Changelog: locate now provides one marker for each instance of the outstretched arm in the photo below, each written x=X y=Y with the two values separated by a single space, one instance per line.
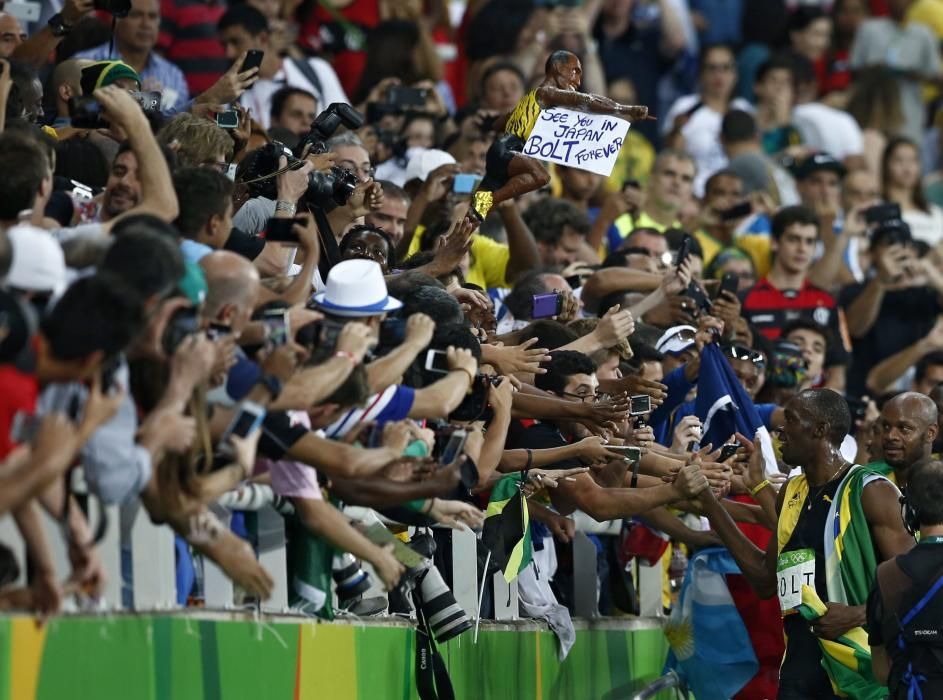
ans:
x=548 y=96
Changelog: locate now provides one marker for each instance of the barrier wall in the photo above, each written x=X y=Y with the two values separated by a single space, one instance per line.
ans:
x=226 y=657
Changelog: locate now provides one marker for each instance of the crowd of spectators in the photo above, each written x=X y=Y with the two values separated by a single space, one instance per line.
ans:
x=210 y=294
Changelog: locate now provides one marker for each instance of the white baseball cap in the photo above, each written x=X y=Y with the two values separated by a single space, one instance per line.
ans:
x=38 y=262
x=676 y=340
x=356 y=288
x=424 y=162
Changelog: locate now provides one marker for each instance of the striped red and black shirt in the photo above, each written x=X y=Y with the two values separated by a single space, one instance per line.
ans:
x=769 y=310
x=189 y=38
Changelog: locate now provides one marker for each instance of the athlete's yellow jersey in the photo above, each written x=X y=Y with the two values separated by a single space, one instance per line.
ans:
x=524 y=116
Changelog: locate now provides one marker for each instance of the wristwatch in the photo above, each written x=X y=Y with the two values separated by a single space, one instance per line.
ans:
x=272 y=383
x=58 y=26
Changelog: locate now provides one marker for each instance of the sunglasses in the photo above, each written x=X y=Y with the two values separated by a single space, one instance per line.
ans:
x=738 y=352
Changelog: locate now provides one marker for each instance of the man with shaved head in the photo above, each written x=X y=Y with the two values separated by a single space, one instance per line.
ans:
x=233 y=287
x=794 y=565
x=908 y=430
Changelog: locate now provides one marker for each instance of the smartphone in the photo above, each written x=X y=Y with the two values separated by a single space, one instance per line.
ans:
x=281 y=231
x=380 y=536
x=404 y=96
x=182 y=323
x=640 y=404
x=248 y=419
x=547 y=305
x=683 y=252
x=630 y=452
x=277 y=325
x=218 y=330
x=253 y=60
x=737 y=211
x=149 y=101
x=24 y=427
x=464 y=183
x=858 y=409
x=228 y=119
x=700 y=299
x=118 y=8
x=728 y=450
x=880 y=213
x=109 y=368
x=453 y=448
x=730 y=282
x=86 y=113
x=23 y=11
x=437 y=361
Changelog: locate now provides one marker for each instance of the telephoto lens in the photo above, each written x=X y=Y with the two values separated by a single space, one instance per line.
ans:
x=352 y=581
x=445 y=616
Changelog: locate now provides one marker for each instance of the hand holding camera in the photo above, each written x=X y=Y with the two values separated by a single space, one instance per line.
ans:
x=121 y=109
x=281 y=362
x=419 y=331
x=500 y=396
x=241 y=76
x=74 y=10
x=615 y=326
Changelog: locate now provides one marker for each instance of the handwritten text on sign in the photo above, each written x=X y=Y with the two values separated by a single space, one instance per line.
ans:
x=585 y=141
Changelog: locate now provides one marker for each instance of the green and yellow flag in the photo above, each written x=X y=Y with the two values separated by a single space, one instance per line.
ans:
x=506 y=532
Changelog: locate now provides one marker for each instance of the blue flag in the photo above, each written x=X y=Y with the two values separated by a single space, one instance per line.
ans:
x=710 y=646
x=724 y=406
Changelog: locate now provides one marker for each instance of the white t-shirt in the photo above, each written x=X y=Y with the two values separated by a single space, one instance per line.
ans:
x=926 y=227
x=827 y=129
x=702 y=135
x=259 y=98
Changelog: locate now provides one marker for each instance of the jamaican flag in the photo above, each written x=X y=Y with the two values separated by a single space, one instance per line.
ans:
x=506 y=533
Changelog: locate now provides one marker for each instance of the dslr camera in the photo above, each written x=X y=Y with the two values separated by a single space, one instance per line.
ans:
x=325 y=190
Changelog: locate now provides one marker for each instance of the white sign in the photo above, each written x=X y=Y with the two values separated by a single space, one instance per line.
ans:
x=585 y=141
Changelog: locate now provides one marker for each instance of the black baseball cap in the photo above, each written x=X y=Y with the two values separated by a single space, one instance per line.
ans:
x=817 y=162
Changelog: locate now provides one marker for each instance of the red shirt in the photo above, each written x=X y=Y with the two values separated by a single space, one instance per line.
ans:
x=189 y=38
x=770 y=309
x=19 y=395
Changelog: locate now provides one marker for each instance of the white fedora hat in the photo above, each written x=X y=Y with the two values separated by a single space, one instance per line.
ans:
x=356 y=288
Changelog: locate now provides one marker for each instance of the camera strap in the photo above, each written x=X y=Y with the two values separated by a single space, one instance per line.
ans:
x=432 y=675
x=330 y=251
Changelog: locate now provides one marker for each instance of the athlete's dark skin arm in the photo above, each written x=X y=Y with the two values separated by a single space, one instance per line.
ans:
x=552 y=96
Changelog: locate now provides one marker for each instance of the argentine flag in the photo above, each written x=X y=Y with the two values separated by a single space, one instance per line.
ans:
x=710 y=647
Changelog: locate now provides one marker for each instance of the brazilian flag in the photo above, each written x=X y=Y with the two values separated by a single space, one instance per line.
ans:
x=506 y=532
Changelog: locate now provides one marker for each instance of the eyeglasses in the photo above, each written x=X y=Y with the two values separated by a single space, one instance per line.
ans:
x=718 y=67
x=593 y=398
x=738 y=352
x=364 y=172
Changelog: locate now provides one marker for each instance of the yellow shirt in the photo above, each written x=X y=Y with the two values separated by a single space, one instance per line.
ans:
x=635 y=161
x=626 y=224
x=522 y=119
x=930 y=14
x=489 y=260
x=756 y=245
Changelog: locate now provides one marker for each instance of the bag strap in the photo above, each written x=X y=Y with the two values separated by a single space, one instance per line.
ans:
x=922 y=603
x=311 y=76
x=432 y=675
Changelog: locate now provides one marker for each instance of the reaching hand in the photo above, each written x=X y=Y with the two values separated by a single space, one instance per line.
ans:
x=727 y=309
x=523 y=358
x=614 y=327
x=88 y=571
x=687 y=430
x=456 y=513
x=100 y=407
x=170 y=430
x=231 y=85
x=691 y=481
x=636 y=384
x=121 y=110
x=245 y=449
x=461 y=359
x=564 y=529
x=451 y=248
x=501 y=396
x=387 y=566
x=281 y=361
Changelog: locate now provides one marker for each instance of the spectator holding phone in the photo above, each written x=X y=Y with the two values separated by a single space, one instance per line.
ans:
x=244 y=29
x=134 y=41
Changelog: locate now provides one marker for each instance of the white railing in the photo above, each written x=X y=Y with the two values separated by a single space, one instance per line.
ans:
x=152 y=564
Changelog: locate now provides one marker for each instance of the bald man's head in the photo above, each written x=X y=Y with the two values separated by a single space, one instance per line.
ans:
x=233 y=289
x=66 y=82
x=11 y=34
x=908 y=429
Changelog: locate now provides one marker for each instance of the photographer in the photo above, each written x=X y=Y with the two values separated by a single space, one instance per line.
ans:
x=895 y=308
x=905 y=606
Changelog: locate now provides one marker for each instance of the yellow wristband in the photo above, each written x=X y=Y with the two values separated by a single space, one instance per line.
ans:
x=759 y=487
